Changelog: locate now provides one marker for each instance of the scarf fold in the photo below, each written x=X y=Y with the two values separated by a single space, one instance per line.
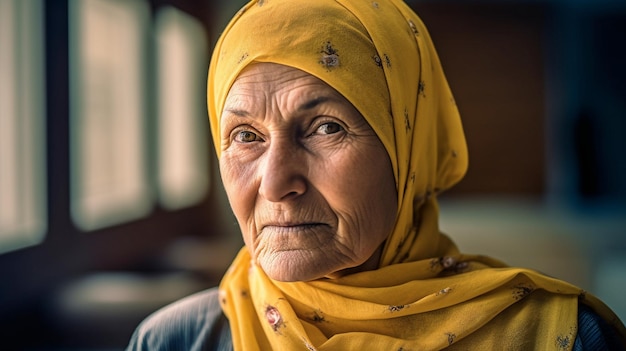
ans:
x=425 y=295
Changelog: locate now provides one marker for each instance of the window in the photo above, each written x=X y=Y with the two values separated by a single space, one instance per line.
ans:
x=182 y=119
x=108 y=108
x=23 y=218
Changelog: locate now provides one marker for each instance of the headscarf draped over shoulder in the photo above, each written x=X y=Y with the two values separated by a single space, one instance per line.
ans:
x=425 y=294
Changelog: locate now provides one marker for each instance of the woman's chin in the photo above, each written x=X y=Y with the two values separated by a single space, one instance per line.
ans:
x=308 y=265
x=290 y=267
x=290 y=277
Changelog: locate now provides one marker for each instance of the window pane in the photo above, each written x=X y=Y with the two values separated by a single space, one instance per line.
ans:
x=183 y=122
x=23 y=218
x=109 y=180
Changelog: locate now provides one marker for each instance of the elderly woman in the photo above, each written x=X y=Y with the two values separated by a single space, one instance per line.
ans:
x=335 y=130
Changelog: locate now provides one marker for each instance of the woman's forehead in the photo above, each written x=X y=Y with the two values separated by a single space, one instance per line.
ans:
x=265 y=79
x=272 y=75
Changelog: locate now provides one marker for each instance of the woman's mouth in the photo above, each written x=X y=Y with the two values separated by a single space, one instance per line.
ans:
x=291 y=227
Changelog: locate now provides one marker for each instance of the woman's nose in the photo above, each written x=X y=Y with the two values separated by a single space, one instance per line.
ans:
x=283 y=172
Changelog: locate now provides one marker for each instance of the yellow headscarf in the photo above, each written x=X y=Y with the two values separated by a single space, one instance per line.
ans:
x=425 y=294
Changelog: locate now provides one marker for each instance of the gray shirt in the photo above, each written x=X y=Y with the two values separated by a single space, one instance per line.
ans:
x=195 y=323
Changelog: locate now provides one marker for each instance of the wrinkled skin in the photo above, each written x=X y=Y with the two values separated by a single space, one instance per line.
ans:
x=309 y=182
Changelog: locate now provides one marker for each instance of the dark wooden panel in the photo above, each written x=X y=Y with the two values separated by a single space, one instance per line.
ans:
x=493 y=57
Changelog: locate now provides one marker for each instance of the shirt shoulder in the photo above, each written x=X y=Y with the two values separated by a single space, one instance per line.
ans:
x=594 y=333
x=194 y=323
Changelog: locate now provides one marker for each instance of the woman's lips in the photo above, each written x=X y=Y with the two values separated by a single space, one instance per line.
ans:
x=291 y=227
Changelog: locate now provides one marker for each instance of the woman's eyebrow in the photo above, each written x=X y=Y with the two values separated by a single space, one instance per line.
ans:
x=313 y=103
x=237 y=112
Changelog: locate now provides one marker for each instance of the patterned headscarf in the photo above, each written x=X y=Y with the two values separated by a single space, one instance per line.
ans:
x=425 y=295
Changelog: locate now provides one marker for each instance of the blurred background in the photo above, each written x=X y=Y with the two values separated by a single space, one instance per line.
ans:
x=110 y=200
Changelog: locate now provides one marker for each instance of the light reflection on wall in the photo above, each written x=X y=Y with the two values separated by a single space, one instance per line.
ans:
x=108 y=112
x=182 y=118
x=23 y=219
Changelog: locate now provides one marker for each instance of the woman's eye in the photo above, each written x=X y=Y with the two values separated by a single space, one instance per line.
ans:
x=246 y=136
x=329 y=128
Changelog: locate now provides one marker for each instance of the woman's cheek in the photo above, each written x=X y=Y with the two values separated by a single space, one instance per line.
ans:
x=238 y=167
x=239 y=182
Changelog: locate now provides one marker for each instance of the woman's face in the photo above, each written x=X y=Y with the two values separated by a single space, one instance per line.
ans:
x=310 y=183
